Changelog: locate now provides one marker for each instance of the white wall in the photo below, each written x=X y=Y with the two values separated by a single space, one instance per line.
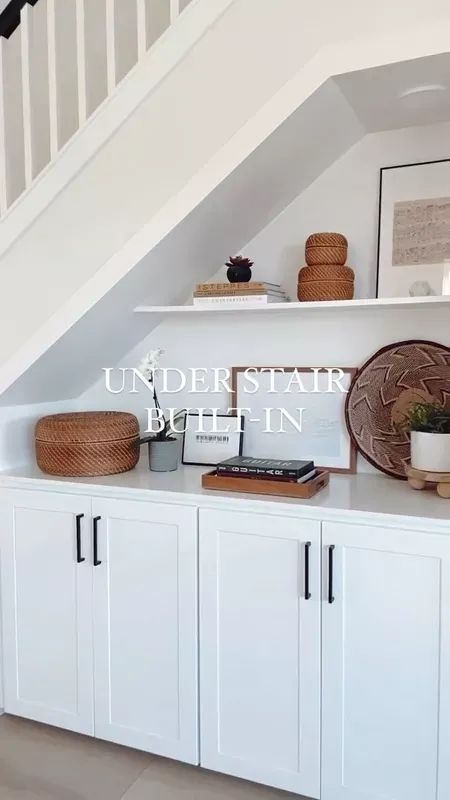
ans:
x=208 y=114
x=344 y=198
x=17 y=425
x=150 y=159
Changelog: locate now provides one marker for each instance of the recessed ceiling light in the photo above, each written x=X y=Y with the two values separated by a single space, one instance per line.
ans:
x=425 y=89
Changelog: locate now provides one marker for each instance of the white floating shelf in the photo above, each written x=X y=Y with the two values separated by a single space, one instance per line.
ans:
x=286 y=308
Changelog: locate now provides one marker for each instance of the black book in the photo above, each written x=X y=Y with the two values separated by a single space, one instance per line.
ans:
x=277 y=478
x=272 y=468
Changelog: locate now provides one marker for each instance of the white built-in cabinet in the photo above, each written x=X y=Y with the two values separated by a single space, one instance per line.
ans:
x=47 y=609
x=324 y=647
x=260 y=648
x=385 y=664
x=99 y=611
x=368 y=718
x=145 y=626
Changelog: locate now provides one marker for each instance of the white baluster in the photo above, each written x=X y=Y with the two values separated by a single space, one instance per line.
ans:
x=95 y=43
x=12 y=168
x=141 y=9
x=81 y=61
x=174 y=10
x=35 y=80
x=3 y=156
x=25 y=25
x=111 y=45
x=52 y=77
x=62 y=71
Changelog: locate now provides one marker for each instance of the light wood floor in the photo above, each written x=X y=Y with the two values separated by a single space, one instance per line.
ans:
x=42 y=763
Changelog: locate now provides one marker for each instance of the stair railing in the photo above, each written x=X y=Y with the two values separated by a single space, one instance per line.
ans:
x=56 y=68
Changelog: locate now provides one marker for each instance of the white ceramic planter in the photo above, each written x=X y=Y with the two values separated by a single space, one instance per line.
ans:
x=430 y=451
x=163 y=456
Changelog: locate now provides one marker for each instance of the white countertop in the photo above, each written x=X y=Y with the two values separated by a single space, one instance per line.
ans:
x=347 y=496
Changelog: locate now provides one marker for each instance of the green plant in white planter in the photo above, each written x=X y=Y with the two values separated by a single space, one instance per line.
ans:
x=429 y=424
x=163 y=448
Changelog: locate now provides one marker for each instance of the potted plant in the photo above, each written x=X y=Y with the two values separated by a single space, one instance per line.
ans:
x=163 y=449
x=429 y=424
x=239 y=269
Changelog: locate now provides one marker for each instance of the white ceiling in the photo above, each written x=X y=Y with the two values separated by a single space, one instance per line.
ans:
x=374 y=94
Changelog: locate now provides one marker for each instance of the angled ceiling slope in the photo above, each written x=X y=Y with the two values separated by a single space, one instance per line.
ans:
x=235 y=211
x=251 y=180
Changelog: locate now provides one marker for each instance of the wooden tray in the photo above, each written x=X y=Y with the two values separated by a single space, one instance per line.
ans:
x=304 y=491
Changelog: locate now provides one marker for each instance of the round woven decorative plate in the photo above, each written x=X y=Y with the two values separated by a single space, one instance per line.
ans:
x=382 y=392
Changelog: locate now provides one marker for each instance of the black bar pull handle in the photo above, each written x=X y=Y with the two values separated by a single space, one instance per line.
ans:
x=95 y=522
x=330 y=573
x=307 y=550
x=79 y=517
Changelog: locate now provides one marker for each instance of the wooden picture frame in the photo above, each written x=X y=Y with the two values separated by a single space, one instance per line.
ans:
x=346 y=461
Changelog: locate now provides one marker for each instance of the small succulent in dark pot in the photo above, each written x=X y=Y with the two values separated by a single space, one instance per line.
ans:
x=239 y=269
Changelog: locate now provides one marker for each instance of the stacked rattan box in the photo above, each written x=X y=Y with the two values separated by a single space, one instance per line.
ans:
x=326 y=276
x=87 y=443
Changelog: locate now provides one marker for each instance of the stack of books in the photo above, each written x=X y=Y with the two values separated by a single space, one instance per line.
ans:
x=267 y=469
x=210 y=295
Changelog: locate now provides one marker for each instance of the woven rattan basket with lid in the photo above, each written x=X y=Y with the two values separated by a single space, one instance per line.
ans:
x=326 y=240
x=88 y=443
x=316 y=291
x=326 y=272
x=326 y=248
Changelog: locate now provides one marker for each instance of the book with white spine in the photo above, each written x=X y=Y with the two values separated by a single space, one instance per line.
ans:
x=238 y=300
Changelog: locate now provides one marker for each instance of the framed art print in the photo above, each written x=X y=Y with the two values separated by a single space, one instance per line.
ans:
x=414 y=230
x=323 y=437
x=209 y=439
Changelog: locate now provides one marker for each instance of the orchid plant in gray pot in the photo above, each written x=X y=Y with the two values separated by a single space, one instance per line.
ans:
x=163 y=446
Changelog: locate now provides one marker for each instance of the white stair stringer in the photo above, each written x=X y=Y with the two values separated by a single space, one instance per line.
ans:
x=88 y=323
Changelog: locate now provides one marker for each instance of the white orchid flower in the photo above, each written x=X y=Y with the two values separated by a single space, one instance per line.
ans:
x=149 y=363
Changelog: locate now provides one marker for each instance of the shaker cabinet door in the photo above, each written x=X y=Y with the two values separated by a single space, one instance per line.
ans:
x=386 y=664
x=260 y=606
x=47 y=608
x=145 y=626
